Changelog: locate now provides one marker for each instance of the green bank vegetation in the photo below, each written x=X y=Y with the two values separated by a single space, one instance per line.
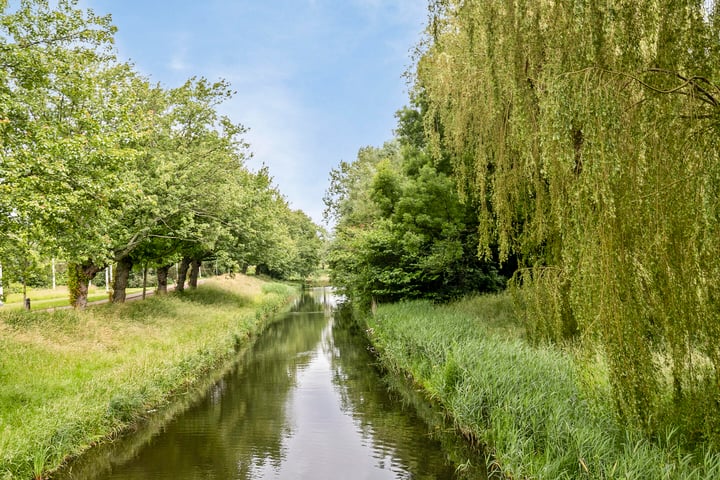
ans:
x=570 y=151
x=71 y=378
x=595 y=161
x=544 y=412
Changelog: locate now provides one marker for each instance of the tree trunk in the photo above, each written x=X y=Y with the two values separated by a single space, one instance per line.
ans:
x=79 y=276
x=122 y=273
x=182 y=274
x=194 y=272
x=162 y=276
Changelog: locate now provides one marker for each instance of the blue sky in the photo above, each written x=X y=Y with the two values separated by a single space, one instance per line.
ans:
x=316 y=79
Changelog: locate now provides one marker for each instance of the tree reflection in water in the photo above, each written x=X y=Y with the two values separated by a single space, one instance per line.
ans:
x=303 y=402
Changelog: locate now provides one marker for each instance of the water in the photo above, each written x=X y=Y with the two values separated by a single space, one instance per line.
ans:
x=304 y=403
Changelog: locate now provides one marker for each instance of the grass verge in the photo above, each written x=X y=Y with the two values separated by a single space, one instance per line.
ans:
x=70 y=379
x=48 y=298
x=545 y=413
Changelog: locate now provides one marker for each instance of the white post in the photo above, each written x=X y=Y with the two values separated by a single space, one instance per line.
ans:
x=1 y=286
x=53 y=273
x=107 y=279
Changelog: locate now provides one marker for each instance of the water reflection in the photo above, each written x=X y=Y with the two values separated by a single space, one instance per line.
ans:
x=394 y=414
x=304 y=402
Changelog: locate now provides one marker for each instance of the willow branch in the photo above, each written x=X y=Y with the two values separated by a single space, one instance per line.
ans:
x=705 y=97
x=694 y=80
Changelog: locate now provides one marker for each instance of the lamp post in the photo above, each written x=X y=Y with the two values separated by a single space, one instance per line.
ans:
x=2 y=292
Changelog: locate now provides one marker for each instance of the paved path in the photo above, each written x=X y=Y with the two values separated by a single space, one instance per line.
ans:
x=128 y=298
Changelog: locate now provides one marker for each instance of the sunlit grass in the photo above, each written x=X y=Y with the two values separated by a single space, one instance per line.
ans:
x=544 y=412
x=70 y=378
x=53 y=298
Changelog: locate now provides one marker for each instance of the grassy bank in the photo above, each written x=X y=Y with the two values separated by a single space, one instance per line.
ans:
x=545 y=413
x=70 y=379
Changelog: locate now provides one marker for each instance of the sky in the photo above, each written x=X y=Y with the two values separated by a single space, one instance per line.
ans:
x=316 y=80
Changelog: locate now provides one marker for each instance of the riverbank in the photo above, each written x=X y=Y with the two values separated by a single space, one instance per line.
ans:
x=70 y=379
x=544 y=412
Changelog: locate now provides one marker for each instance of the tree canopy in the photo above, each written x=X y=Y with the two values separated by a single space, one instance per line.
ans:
x=587 y=133
x=402 y=231
x=99 y=166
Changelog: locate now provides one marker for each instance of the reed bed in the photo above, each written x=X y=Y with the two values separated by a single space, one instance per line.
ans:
x=544 y=412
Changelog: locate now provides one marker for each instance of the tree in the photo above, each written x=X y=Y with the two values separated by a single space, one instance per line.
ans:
x=58 y=132
x=189 y=167
x=305 y=235
x=402 y=230
x=22 y=254
x=595 y=161
x=100 y=166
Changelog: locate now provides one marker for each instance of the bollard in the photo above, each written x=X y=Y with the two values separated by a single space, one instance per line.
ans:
x=27 y=304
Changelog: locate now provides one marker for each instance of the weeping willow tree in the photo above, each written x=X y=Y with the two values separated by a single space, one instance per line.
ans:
x=588 y=133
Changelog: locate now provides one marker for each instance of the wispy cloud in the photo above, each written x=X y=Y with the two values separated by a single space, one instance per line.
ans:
x=281 y=131
x=177 y=63
x=179 y=56
x=316 y=79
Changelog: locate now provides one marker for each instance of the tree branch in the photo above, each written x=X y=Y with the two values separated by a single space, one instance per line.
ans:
x=705 y=97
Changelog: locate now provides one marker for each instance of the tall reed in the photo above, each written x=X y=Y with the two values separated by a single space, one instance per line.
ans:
x=545 y=412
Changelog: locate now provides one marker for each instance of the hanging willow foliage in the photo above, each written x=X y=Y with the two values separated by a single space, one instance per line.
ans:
x=588 y=132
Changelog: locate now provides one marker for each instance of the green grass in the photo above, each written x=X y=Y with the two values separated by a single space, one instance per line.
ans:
x=544 y=412
x=49 y=298
x=70 y=379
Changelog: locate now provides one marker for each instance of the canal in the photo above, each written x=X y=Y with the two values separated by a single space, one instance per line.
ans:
x=305 y=402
